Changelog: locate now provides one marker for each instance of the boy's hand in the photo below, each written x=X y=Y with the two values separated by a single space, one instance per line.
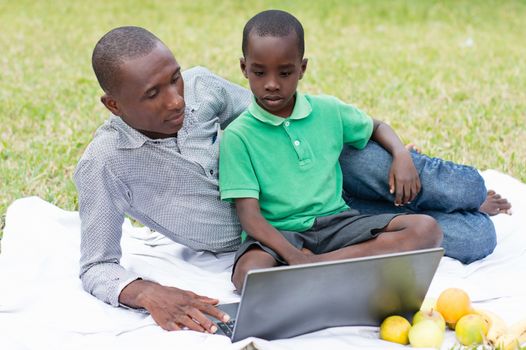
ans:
x=303 y=256
x=404 y=181
x=173 y=308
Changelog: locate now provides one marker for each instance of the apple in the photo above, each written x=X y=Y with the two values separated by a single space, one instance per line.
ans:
x=428 y=304
x=471 y=329
x=395 y=329
x=426 y=334
x=432 y=315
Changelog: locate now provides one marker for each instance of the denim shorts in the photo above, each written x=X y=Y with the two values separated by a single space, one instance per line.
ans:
x=328 y=233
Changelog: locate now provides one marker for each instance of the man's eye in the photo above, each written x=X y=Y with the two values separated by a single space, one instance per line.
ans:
x=175 y=79
x=151 y=94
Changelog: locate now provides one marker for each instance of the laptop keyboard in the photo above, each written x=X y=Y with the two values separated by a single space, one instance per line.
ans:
x=227 y=327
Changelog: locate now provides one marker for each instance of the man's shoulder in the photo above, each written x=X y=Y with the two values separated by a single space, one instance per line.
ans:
x=104 y=144
x=196 y=71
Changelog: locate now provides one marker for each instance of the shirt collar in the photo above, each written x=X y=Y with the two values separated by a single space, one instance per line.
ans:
x=302 y=109
x=129 y=138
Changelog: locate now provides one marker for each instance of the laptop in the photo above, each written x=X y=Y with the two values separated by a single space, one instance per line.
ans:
x=287 y=301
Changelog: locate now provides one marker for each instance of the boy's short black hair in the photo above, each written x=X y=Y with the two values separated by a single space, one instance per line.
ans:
x=117 y=46
x=274 y=23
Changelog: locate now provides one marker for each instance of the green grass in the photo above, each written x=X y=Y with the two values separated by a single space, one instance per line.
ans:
x=449 y=76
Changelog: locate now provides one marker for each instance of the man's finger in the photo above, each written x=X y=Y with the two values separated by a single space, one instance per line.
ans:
x=213 y=311
x=171 y=326
x=190 y=323
x=198 y=316
x=208 y=300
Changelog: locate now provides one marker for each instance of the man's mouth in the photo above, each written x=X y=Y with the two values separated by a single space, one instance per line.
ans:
x=175 y=117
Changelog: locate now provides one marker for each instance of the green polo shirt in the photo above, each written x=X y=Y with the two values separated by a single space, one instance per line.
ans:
x=291 y=164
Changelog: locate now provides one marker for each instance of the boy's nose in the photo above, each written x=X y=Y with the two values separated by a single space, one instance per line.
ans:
x=271 y=85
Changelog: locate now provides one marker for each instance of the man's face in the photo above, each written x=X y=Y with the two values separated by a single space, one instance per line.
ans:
x=273 y=67
x=150 y=94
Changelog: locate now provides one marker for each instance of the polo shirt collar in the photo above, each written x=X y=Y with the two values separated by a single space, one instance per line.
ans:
x=302 y=109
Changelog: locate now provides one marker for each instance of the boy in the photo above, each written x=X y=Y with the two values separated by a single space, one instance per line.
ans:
x=279 y=162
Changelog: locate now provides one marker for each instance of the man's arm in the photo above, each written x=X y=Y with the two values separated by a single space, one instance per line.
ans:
x=232 y=99
x=101 y=206
x=404 y=181
x=258 y=228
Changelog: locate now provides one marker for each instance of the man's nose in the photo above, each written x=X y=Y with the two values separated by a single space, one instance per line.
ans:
x=174 y=99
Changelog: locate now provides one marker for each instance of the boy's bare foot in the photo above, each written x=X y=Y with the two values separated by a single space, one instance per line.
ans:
x=495 y=204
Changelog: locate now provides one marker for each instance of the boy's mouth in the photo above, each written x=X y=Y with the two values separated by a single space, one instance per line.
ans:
x=272 y=100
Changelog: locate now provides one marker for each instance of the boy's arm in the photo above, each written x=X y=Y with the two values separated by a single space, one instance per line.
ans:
x=258 y=228
x=404 y=181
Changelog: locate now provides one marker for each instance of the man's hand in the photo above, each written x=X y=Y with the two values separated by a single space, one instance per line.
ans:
x=173 y=308
x=404 y=181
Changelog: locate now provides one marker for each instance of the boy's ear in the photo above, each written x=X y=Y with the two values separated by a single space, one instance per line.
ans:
x=303 y=66
x=243 y=66
x=111 y=104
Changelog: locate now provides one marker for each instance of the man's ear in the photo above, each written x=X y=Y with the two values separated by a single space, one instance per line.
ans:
x=303 y=66
x=243 y=66
x=110 y=103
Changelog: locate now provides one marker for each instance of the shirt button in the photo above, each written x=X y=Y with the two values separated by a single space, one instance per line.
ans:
x=211 y=171
x=296 y=143
x=287 y=123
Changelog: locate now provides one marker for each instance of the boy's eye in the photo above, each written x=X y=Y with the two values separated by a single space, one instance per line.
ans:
x=285 y=74
x=175 y=78
x=258 y=74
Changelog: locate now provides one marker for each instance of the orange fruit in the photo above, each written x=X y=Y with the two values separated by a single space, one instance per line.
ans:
x=453 y=303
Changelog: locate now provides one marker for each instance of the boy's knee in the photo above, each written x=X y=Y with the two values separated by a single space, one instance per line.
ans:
x=428 y=230
x=473 y=240
x=253 y=259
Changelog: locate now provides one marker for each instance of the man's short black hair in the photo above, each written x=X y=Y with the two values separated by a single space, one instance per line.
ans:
x=274 y=23
x=117 y=46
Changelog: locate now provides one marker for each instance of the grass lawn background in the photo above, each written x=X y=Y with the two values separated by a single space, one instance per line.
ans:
x=449 y=76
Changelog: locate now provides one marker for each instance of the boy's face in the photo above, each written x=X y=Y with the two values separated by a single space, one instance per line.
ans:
x=150 y=95
x=273 y=67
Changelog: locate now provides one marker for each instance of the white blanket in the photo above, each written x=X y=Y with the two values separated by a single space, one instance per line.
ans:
x=43 y=305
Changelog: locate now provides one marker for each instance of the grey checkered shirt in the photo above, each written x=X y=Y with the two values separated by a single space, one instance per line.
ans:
x=170 y=185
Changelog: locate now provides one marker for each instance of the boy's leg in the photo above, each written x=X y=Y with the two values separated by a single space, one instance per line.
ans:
x=254 y=258
x=254 y=255
x=448 y=192
x=402 y=233
x=446 y=186
x=468 y=235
